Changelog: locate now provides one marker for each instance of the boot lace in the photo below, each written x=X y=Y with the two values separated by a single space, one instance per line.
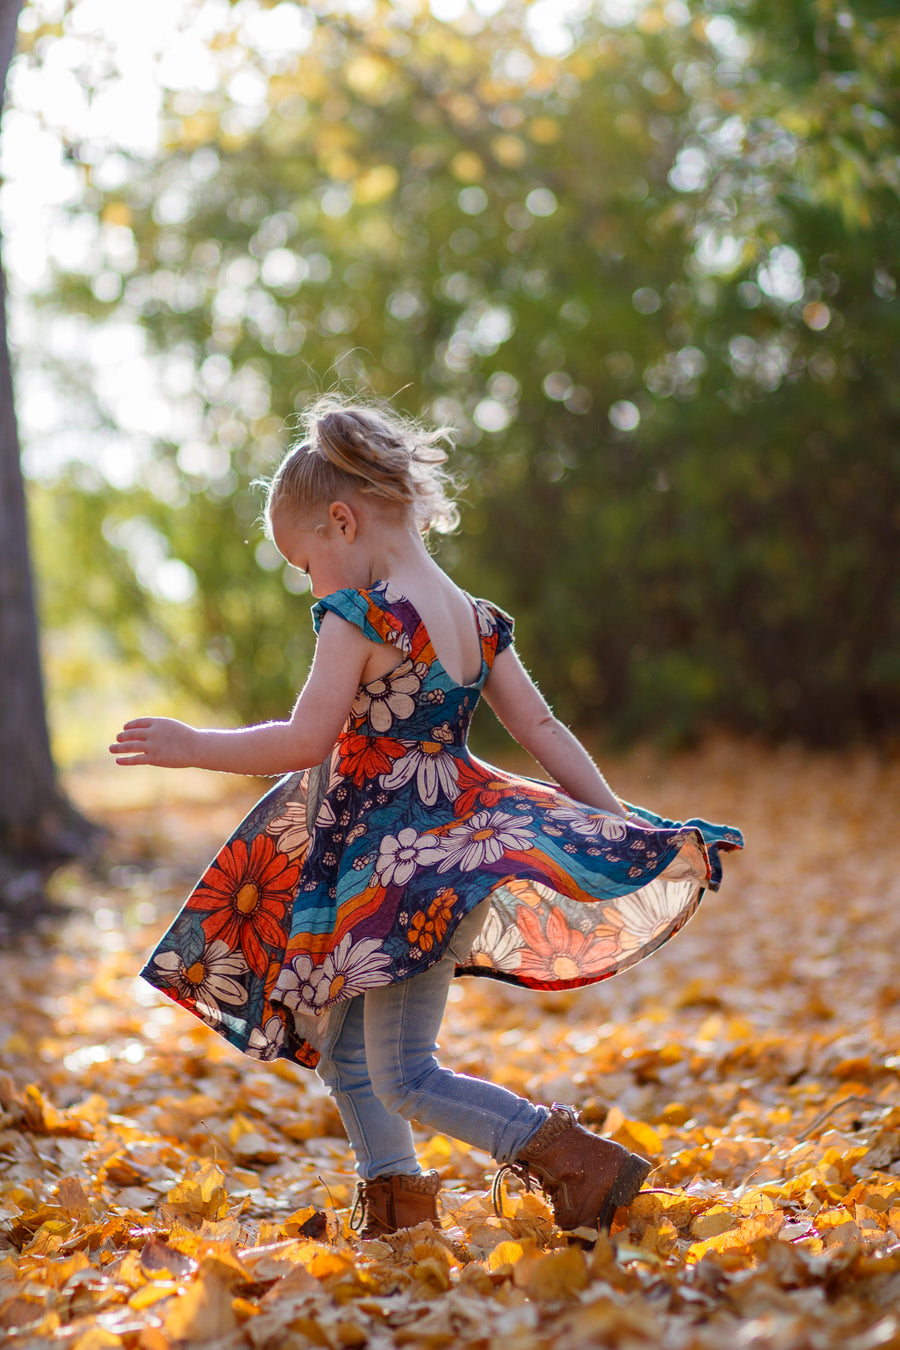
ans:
x=358 y=1212
x=517 y=1169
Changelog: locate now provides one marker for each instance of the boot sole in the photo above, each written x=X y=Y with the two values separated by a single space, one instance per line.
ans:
x=623 y=1190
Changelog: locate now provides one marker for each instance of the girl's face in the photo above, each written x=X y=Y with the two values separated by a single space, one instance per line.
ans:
x=316 y=544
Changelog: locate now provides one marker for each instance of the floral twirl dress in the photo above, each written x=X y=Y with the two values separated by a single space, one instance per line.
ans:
x=355 y=873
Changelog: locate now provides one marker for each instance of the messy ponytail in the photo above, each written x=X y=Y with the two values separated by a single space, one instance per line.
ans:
x=371 y=451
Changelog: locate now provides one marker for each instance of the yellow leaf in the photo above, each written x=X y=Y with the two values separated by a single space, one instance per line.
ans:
x=203 y=1312
x=243 y=1309
x=350 y=1334
x=324 y=1263
x=95 y=1338
x=633 y=1134
x=558 y=1275
x=652 y=1206
x=661 y=1237
x=221 y=1261
x=676 y=1113
x=432 y=1273
x=507 y=1254
x=437 y=1152
x=152 y=1293
x=160 y=1261
x=201 y=1192
x=42 y=1117
x=715 y=1220
x=72 y=1198
x=292 y=1225
x=751 y=1230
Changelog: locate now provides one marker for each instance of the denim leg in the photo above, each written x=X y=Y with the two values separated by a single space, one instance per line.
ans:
x=382 y=1141
x=401 y=1024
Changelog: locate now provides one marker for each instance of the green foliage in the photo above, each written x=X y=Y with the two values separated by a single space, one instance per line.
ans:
x=651 y=281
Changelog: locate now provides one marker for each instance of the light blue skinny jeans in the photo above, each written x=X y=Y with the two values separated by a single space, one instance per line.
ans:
x=379 y=1064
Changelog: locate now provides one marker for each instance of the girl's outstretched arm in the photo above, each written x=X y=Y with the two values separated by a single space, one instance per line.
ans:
x=272 y=747
x=520 y=706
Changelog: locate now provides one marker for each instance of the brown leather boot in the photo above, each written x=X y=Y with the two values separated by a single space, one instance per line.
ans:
x=585 y=1178
x=385 y=1204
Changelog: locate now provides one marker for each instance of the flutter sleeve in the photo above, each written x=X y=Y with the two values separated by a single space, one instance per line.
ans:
x=496 y=628
x=504 y=624
x=354 y=606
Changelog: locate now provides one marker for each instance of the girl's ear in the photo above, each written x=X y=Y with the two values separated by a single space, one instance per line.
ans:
x=344 y=519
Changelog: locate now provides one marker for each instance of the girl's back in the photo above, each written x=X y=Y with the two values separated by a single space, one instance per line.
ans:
x=448 y=617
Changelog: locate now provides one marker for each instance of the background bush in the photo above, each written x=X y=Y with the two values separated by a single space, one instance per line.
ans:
x=652 y=280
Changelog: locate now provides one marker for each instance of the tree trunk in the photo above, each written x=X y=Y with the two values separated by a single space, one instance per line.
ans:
x=37 y=823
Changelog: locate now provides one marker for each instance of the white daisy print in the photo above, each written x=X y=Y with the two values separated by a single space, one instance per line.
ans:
x=589 y=824
x=326 y=817
x=497 y=946
x=483 y=839
x=267 y=1040
x=293 y=987
x=390 y=699
x=400 y=855
x=649 y=912
x=352 y=968
x=211 y=979
x=289 y=829
x=434 y=770
x=347 y=971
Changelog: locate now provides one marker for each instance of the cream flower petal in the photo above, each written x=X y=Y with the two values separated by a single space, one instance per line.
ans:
x=224 y=989
x=648 y=912
x=380 y=716
x=169 y=961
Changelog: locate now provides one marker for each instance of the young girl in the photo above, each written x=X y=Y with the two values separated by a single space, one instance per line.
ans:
x=389 y=859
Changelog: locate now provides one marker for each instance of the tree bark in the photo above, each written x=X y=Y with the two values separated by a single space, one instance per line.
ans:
x=37 y=822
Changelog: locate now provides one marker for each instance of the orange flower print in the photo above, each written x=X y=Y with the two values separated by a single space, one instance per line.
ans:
x=531 y=893
x=559 y=953
x=421 y=932
x=365 y=757
x=440 y=910
x=246 y=894
x=478 y=791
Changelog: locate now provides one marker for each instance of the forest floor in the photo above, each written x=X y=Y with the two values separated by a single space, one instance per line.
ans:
x=157 y=1189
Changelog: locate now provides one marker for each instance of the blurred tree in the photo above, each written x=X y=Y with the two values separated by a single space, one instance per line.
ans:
x=37 y=823
x=652 y=282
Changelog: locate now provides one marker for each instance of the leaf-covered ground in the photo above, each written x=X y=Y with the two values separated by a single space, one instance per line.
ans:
x=157 y=1189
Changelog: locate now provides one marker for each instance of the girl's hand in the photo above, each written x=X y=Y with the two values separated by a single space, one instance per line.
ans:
x=155 y=740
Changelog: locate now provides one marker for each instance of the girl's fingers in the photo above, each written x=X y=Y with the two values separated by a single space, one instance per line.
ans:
x=128 y=742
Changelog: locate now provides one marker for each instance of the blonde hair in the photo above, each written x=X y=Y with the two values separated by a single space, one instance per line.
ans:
x=372 y=451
